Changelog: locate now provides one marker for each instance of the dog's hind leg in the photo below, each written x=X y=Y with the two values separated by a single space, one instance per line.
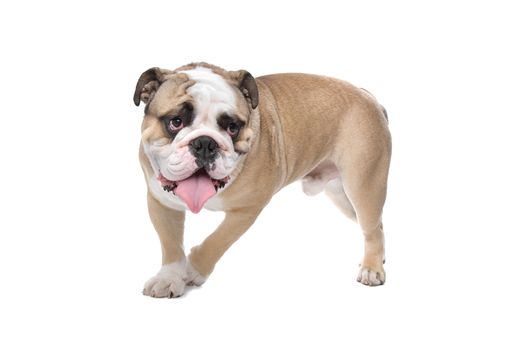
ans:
x=365 y=188
x=363 y=162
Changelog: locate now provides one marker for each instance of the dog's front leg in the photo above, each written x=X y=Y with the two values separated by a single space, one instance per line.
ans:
x=203 y=258
x=169 y=224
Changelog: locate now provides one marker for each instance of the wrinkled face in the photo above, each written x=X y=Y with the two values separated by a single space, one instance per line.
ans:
x=194 y=133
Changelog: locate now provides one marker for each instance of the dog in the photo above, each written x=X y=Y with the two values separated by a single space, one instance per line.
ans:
x=224 y=140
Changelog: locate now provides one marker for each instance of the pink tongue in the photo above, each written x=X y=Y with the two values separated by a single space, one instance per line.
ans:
x=195 y=191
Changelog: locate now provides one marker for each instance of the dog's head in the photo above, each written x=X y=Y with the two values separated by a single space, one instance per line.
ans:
x=196 y=127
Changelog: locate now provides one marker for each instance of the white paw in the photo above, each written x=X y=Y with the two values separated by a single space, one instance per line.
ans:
x=371 y=277
x=192 y=277
x=168 y=282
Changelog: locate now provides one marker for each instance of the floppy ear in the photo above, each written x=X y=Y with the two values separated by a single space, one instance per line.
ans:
x=148 y=84
x=246 y=83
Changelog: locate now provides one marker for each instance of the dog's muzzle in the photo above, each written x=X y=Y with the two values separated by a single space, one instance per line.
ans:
x=205 y=151
x=197 y=188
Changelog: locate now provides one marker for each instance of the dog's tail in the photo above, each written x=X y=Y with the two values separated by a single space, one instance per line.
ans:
x=382 y=108
x=384 y=112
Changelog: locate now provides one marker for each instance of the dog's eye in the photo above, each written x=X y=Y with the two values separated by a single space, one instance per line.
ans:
x=175 y=124
x=233 y=129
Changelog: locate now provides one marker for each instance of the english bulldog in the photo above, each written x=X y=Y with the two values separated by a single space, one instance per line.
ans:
x=224 y=140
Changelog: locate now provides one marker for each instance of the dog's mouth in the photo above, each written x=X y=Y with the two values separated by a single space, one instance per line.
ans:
x=194 y=190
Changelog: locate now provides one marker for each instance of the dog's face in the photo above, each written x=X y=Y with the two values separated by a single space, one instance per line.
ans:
x=196 y=128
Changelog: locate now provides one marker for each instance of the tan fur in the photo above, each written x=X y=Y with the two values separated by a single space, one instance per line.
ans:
x=305 y=126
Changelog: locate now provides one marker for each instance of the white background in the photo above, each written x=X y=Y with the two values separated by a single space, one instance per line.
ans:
x=77 y=245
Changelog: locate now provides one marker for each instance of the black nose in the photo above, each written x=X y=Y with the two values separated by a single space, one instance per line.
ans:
x=204 y=148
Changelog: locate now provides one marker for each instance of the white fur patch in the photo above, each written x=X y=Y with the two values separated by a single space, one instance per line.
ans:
x=174 y=163
x=214 y=204
x=168 y=282
x=211 y=92
x=167 y=199
x=192 y=277
x=370 y=277
x=212 y=97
